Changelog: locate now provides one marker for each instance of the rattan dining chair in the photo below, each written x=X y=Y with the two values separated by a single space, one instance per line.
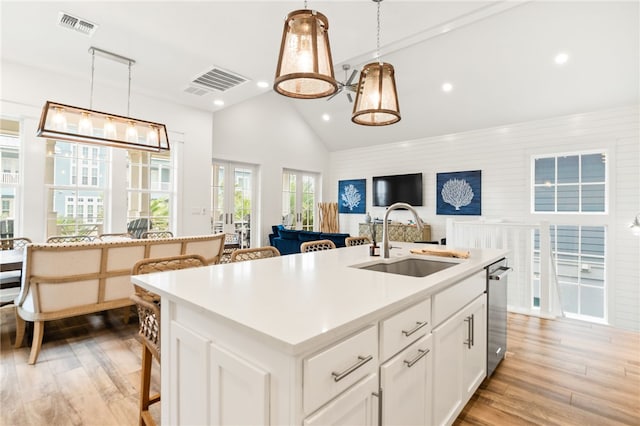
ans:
x=148 y=305
x=317 y=245
x=156 y=234
x=356 y=241
x=242 y=255
x=70 y=239
x=115 y=237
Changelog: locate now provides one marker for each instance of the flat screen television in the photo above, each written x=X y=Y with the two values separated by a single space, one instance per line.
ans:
x=397 y=189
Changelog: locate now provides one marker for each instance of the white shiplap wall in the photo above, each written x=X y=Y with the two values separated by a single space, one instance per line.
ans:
x=504 y=156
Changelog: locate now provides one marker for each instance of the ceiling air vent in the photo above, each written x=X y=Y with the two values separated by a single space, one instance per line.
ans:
x=196 y=91
x=219 y=79
x=78 y=24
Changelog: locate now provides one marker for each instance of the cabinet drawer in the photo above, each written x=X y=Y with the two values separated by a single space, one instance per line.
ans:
x=404 y=328
x=333 y=370
x=452 y=299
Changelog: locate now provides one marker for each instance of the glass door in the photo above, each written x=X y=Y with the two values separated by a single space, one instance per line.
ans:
x=299 y=191
x=232 y=201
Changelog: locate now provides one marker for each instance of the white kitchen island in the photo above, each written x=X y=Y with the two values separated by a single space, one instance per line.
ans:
x=310 y=339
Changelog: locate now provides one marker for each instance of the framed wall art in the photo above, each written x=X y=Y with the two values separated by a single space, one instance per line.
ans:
x=352 y=196
x=459 y=193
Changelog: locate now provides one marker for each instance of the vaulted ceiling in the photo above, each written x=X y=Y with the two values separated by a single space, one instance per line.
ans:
x=497 y=55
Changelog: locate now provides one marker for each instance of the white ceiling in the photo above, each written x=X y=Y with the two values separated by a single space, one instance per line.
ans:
x=499 y=55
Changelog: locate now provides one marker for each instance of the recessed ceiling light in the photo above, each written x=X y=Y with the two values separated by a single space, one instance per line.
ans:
x=447 y=87
x=262 y=84
x=326 y=117
x=561 y=58
x=218 y=102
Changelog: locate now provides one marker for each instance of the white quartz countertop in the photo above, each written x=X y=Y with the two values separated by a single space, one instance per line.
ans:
x=298 y=301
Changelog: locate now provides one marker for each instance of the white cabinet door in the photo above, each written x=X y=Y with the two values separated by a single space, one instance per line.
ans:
x=240 y=390
x=475 y=357
x=447 y=369
x=357 y=406
x=406 y=382
x=188 y=390
x=210 y=385
x=460 y=358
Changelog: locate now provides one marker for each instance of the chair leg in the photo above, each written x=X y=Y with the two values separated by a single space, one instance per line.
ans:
x=145 y=387
x=38 y=333
x=20 y=327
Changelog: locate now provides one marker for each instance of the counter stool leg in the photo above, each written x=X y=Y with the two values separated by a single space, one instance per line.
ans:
x=145 y=387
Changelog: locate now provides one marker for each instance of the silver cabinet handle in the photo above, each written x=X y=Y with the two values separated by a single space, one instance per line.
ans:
x=473 y=326
x=500 y=273
x=421 y=354
x=468 y=341
x=361 y=361
x=418 y=326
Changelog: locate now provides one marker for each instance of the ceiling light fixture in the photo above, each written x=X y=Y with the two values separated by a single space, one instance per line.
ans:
x=447 y=87
x=326 y=117
x=75 y=124
x=376 y=96
x=218 y=102
x=262 y=84
x=561 y=58
x=305 y=67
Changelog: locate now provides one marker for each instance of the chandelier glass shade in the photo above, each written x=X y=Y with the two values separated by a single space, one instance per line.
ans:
x=70 y=123
x=305 y=67
x=376 y=97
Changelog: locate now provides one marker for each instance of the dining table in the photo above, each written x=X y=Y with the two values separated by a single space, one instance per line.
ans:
x=11 y=260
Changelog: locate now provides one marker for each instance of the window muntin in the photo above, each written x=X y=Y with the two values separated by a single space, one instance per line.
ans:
x=572 y=183
x=149 y=191
x=77 y=204
x=10 y=187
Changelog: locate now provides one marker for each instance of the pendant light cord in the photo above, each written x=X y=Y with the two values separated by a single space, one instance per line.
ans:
x=93 y=67
x=378 y=34
x=129 y=92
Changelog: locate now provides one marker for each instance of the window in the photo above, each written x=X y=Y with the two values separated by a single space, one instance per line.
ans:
x=150 y=194
x=232 y=197
x=299 y=199
x=10 y=181
x=76 y=204
x=579 y=260
x=574 y=183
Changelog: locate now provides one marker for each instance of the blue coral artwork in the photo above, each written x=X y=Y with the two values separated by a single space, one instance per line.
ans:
x=459 y=193
x=352 y=196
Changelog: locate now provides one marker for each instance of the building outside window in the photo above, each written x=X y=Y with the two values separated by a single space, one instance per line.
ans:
x=71 y=199
x=574 y=187
x=299 y=198
x=149 y=191
x=10 y=167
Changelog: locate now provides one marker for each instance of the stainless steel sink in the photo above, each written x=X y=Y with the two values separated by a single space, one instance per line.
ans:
x=411 y=267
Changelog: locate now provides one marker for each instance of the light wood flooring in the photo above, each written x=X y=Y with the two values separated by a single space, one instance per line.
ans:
x=560 y=372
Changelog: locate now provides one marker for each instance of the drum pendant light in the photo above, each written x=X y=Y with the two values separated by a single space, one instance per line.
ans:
x=305 y=67
x=376 y=96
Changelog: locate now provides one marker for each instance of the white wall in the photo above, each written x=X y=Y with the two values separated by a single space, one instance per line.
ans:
x=504 y=156
x=23 y=93
x=268 y=132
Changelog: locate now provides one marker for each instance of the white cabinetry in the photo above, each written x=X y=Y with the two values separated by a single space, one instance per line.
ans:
x=357 y=406
x=406 y=382
x=235 y=392
x=459 y=362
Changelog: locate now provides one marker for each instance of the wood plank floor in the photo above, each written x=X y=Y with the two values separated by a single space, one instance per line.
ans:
x=560 y=372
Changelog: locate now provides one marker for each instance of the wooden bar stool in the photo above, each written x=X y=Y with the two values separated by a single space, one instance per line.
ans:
x=148 y=305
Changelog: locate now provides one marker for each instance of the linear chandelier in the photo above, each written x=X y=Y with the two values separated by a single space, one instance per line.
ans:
x=76 y=124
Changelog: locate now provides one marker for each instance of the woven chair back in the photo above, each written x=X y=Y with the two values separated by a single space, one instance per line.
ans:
x=317 y=245
x=242 y=255
x=356 y=241
x=148 y=303
x=18 y=243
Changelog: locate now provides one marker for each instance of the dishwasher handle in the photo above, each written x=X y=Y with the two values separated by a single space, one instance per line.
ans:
x=499 y=273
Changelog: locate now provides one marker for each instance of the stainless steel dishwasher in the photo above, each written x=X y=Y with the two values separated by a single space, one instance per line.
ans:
x=497 y=274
